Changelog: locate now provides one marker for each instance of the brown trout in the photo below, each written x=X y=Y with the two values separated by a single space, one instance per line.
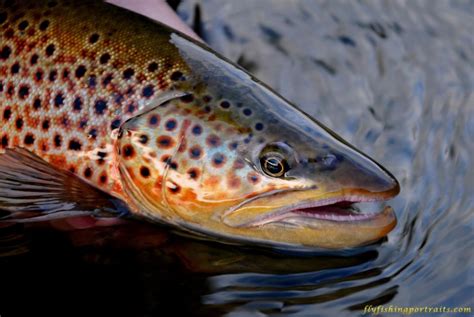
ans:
x=107 y=113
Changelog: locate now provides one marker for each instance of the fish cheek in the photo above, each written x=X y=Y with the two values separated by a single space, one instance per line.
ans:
x=142 y=172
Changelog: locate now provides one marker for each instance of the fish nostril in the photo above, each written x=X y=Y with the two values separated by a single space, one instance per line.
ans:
x=329 y=160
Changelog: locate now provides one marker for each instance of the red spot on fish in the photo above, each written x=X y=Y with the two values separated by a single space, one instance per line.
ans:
x=128 y=151
x=194 y=173
x=165 y=142
x=154 y=120
x=233 y=181
x=213 y=140
x=144 y=172
x=57 y=160
x=174 y=188
x=103 y=178
x=4 y=141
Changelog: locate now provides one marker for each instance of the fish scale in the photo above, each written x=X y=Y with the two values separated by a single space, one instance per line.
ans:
x=64 y=93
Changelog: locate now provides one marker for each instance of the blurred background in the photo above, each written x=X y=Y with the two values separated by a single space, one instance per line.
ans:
x=395 y=79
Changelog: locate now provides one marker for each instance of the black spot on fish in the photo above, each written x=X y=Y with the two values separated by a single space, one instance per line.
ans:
x=170 y=124
x=148 y=91
x=5 y=52
x=175 y=76
x=23 y=91
x=100 y=106
x=218 y=160
x=93 y=133
x=37 y=104
x=173 y=165
x=144 y=171
x=45 y=124
x=103 y=179
x=154 y=120
x=131 y=108
x=57 y=140
x=80 y=71
x=23 y=25
x=195 y=152
x=197 y=130
x=53 y=75
x=104 y=58
x=128 y=73
x=75 y=145
x=59 y=100
x=7 y=114
x=152 y=67
x=29 y=139
x=77 y=104
x=225 y=104
x=50 y=50
x=143 y=139
x=34 y=59
x=39 y=75
x=88 y=172
x=128 y=151
x=4 y=141
x=115 y=124
x=44 y=25
x=233 y=145
x=94 y=38
x=15 y=68
x=19 y=123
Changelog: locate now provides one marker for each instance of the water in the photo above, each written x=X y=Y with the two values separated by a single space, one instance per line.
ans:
x=395 y=78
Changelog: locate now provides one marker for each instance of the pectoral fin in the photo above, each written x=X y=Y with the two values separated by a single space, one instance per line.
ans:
x=32 y=190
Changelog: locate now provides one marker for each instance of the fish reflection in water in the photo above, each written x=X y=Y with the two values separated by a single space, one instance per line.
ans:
x=229 y=275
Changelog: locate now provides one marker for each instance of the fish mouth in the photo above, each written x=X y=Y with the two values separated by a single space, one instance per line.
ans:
x=337 y=210
x=349 y=207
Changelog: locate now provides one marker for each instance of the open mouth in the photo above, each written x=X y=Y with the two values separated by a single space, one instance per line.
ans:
x=341 y=211
x=333 y=210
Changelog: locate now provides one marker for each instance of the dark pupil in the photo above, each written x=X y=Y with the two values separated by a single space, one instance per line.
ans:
x=274 y=166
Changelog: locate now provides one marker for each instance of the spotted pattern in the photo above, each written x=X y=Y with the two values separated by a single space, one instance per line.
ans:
x=74 y=87
x=69 y=79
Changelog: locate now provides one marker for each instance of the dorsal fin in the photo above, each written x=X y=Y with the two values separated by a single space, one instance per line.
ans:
x=33 y=190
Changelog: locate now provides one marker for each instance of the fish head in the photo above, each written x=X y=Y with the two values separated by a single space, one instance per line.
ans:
x=234 y=160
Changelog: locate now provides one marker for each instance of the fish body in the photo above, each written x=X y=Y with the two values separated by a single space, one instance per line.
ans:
x=133 y=117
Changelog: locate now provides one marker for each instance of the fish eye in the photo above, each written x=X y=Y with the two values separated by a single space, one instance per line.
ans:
x=274 y=164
